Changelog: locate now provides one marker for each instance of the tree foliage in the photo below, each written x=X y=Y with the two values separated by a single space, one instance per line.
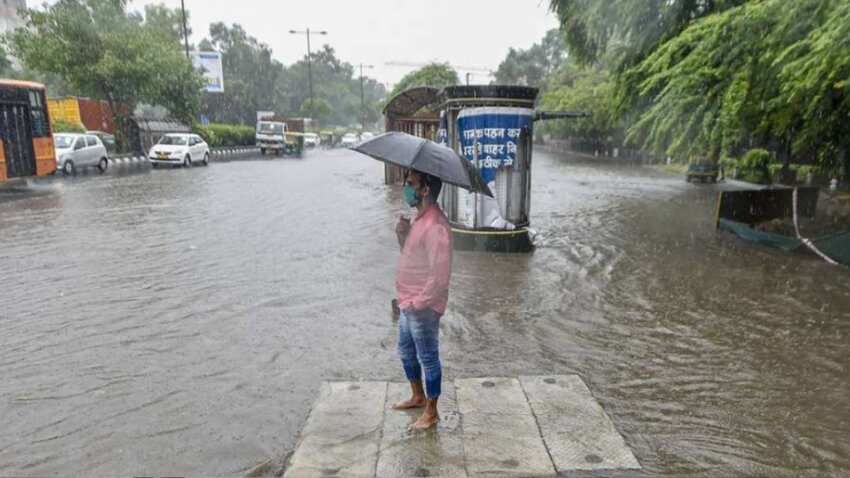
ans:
x=251 y=76
x=588 y=90
x=103 y=51
x=767 y=73
x=319 y=108
x=338 y=83
x=255 y=81
x=632 y=28
x=437 y=75
x=700 y=77
x=531 y=67
x=167 y=21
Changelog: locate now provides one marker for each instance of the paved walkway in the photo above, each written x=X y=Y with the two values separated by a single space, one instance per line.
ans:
x=525 y=426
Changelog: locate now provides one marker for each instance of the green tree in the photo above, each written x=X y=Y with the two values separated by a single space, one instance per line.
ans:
x=813 y=105
x=167 y=20
x=255 y=81
x=632 y=28
x=103 y=51
x=437 y=75
x=761 y=74
x=588 y=90
x=532 y=66
x=336 y=81
x=320 y=109
x=5 y=63
x=721 y=77
x=251 y=77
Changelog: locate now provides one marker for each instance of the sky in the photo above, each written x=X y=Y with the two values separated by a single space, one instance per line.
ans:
x=466 y=33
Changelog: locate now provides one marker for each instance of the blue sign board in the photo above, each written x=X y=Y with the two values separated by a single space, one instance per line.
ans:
x=490 y=135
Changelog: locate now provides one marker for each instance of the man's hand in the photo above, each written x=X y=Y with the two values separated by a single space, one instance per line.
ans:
x=402 y=229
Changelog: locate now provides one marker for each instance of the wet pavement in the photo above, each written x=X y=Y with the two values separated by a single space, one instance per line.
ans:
x=490 y=426
x=181 y=322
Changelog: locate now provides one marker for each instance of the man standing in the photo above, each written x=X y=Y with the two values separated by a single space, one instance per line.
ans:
x=422 y=290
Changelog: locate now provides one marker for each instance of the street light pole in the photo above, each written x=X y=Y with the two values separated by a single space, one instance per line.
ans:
x=362 y=98
x=309 y=61
x=185 y=30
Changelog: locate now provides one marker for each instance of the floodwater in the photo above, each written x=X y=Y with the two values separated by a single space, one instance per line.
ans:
x=180 y=322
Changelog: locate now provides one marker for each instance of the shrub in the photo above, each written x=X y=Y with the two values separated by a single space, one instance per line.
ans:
x=802 y=171
x=225 y=135
x=728 y=164
x=207 y=134
x=64 y=126
x=754 y=167
x=773 y=169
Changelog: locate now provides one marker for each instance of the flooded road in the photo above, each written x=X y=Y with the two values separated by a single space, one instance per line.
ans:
x=180 y=322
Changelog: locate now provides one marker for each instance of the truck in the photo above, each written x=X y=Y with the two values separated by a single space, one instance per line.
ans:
x=283 y=136
x=271 y=136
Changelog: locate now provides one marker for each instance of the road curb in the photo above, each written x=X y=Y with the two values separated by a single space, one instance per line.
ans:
x=216 y=154
x=222 y=154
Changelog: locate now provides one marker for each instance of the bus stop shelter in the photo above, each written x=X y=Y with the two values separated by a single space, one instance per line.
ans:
x=412 y=111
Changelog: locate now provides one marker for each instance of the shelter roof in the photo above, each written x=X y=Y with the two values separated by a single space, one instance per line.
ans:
x=411 y=100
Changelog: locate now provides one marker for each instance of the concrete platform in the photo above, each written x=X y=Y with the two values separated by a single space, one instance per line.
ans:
x=526 y=426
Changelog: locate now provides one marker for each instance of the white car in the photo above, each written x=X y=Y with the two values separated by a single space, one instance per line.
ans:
x=180 y=149
x=77 y=151
x=311 y=140
x=366 y=135
x=349 y=139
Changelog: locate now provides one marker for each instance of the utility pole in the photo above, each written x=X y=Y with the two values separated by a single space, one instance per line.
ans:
x=309 y=61
x=362 y=98
x=185 y=30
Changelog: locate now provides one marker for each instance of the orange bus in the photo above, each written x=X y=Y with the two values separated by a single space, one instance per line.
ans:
x=26 y=143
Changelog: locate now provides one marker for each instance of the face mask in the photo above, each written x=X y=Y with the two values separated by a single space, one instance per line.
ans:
x=411 y=197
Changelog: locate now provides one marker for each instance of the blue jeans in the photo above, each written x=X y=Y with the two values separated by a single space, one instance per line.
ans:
x=419 y=348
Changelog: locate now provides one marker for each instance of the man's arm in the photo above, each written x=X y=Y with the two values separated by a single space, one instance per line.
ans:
x=402 y=230
x=439 y=248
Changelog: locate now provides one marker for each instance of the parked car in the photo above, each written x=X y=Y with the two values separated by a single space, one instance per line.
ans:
x=180 y=149
x=366 y=135
x=349 y=139
x=311 y=140
x=107 y=139
x=76 y=151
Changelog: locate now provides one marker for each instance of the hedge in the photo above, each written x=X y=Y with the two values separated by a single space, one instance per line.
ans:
x=217 y=135
x=64 y=126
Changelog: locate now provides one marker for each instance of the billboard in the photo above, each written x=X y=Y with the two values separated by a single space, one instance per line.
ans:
x=210 y=63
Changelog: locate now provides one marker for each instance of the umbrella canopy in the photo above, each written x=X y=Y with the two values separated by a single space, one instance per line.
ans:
x=424 y=155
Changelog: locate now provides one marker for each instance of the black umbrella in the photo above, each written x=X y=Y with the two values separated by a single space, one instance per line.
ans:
x=424 y=155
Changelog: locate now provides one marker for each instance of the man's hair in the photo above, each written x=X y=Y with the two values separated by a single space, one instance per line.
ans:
x=434 y=184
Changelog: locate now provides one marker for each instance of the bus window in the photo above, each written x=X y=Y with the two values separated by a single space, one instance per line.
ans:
x=40 y=125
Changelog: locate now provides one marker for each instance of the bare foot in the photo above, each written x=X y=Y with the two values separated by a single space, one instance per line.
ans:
x=426 y=421
x=414 y=402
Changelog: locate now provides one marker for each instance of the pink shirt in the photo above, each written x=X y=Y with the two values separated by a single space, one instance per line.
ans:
x=425 y=267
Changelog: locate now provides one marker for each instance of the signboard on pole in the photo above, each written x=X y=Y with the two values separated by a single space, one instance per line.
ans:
x=210 y=63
